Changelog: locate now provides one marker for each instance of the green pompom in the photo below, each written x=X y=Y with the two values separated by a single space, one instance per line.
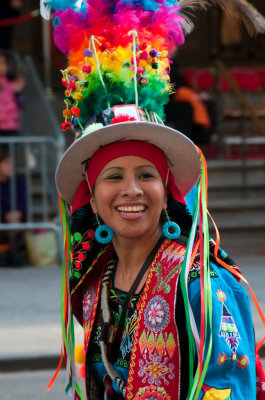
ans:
x=77 y=236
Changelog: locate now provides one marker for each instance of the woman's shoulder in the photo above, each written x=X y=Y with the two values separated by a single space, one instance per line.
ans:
x=222 y=281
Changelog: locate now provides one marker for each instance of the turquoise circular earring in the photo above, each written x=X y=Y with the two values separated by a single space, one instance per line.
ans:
x=103 y=233
x=170 y=229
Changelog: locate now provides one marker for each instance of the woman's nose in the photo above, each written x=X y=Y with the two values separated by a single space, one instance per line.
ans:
x=131 y=188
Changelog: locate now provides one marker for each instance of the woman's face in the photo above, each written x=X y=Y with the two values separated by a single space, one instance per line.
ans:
x=129 y=196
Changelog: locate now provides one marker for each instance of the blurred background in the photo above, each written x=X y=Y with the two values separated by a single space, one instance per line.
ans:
x=219 y=102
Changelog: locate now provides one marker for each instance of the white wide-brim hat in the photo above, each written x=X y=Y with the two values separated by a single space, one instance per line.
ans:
x=181 y=153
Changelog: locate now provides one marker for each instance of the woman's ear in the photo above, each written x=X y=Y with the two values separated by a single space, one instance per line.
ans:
x=93 y=205
x=165 y=202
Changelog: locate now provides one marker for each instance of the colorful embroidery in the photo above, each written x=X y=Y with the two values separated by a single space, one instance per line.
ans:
x=222 y=359
x=221 y=295
x=260 y=378
x=158 y=342
x=154 y=324
x=154 y=370
x=195 y=272
x=80 y=245
x=152 y=393
x=156 y=314
x=127 y=339
x=228 y=329
x=242 y=362
x=162 y=283
x=171 y=256
x=213 y=393
x=142 y=341
x=151 y=343
x=88 y=301
x=119 y=296
x=170 y=345
x=122 y=358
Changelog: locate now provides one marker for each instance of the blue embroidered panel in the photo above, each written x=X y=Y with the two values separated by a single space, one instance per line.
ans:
x=231 y=373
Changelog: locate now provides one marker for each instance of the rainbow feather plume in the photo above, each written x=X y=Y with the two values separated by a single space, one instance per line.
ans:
x=118 y=53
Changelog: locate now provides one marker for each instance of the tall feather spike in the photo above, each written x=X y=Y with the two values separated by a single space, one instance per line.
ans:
x=45 y=10
x=253 y=20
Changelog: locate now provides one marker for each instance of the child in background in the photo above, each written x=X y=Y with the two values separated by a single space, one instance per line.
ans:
x=11 y=84
x=11 y=242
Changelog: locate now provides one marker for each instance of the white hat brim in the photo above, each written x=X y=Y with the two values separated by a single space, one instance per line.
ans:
x=181 y=153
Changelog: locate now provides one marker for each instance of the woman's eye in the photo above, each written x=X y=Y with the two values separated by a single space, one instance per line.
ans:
x=146 y=175
x=114 y=177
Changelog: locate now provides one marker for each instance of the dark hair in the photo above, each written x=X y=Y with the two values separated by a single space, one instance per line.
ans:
x=4 y=154
x=12 y=63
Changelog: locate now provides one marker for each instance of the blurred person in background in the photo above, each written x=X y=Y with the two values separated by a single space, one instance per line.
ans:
x=190 y=112
x=11 y=242
x=11 y=86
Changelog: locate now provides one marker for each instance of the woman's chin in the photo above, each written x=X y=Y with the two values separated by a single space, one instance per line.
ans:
x=135 y=234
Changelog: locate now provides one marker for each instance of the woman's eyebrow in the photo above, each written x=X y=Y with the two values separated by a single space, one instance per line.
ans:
x=145 y=166
x=122 y=169
x=107 y=169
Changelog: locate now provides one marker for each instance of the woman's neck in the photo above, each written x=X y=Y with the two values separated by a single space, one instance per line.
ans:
x=131 y=257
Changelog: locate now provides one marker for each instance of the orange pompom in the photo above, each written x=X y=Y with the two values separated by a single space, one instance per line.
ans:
x=79 y=354
x=67 y=113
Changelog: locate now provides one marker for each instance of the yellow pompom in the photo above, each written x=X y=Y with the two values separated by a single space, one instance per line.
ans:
x=77 y=96
x=164 y=53
x=79 y=354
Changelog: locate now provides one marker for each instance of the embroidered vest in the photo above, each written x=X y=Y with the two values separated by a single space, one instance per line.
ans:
x=155 y=359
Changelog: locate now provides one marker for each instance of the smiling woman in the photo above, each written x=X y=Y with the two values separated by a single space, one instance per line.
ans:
x=126 y=290
x=163 y=316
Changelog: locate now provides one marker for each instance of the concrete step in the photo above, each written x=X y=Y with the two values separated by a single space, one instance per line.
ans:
x=238 y=206
x=227 y=173
x=228 y=165
x=236 y=209
x=241 y=242
x=241 y=222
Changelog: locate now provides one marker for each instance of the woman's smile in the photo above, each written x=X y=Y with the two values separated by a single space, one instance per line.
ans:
x=129 y=196
x=132 y=211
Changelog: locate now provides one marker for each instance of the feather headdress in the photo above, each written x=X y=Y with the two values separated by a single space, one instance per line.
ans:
x=118 y=50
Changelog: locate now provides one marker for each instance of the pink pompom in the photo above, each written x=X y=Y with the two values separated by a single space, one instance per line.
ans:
x=144 y=55
x=137 y=60
x=87 y=69
x=140 y=70
x=71 y=85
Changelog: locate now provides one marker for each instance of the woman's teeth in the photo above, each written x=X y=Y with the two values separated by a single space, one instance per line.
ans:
x=131 y=210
